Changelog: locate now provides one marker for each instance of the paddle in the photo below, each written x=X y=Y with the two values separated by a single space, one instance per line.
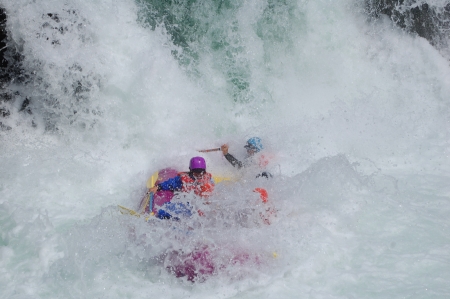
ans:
x=210 y=150
x=147 y=200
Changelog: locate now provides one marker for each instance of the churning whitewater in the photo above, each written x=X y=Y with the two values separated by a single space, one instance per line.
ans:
x=353 y=110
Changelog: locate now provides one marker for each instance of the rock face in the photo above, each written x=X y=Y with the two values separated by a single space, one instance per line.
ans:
x=10 y=70
x=3 y=63
x=4 y=75
x=418 y=17
x=426 y=18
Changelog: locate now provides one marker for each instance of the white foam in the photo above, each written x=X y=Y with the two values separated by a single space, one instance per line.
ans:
x=355 y=114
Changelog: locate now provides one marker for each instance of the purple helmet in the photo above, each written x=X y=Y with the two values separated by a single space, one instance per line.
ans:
x=197 y=163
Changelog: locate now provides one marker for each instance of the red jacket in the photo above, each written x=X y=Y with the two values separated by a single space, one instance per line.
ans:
x=202 y=186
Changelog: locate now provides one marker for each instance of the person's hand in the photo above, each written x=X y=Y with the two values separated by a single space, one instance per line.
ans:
x=224 y=149
x=153 y=189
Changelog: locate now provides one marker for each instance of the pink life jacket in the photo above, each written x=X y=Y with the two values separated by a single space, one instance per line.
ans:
x=264 y=160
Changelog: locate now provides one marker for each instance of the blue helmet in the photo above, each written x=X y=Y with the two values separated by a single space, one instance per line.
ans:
x=255 y=144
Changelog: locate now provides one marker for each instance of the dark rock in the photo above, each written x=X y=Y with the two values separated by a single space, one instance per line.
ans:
x=10 y=59
x=3 y=36
x=417 y=17
x=11 y=70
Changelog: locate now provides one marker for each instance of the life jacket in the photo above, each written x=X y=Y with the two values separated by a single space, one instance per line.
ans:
x=260 y=162
x=269 y=211
x=202 y=186
x=264 y=159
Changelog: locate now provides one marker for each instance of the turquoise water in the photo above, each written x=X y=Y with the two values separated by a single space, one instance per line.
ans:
x=354 y=112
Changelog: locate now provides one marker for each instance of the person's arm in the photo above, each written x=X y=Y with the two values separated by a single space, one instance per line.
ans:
x=233 y=161
x=173 y=184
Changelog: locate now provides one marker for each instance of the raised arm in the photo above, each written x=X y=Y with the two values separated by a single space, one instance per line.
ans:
x=233 y=161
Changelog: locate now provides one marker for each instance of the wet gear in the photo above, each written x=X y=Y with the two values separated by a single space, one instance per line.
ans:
x=264 y=174
x=186 y=182
x=202 y=186
x=175 y=209
x=233 y=161
x=197 y=163
x=255 y=144
x=263 y=162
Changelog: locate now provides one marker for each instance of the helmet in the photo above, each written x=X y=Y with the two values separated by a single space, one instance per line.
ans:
x=255 y=144
x=197 y=163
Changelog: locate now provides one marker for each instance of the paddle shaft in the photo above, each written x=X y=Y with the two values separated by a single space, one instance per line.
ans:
x=210 y=150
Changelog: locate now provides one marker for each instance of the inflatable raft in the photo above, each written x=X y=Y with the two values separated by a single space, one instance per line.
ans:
x=151 y=203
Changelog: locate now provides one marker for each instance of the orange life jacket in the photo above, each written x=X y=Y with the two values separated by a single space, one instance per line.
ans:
x=202 y=186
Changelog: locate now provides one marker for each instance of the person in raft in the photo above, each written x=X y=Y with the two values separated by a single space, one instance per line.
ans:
x=254 y=147
x=254 y=157
x=197 y=180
